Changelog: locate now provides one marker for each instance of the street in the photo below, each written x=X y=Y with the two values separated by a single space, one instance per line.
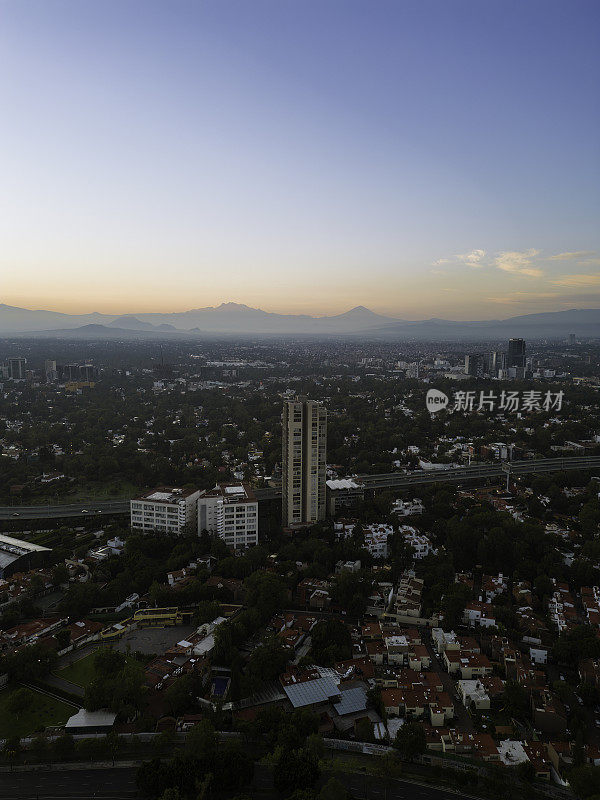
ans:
x=118 y=783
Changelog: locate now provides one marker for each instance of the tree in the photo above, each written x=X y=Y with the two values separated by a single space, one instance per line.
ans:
x=170 y=794
x=267 y=662
x=333 y=790
x=578 y=643
x=201 y=740
x=585 y=781
x=64 y=747
x=331 y=642
x=119 y=684
x=410 y=740
x=60 y=574
x=39 y=748
x=515 y=699
x=233 y=767
x=179 y=695
x=453 y=604
x=266 y=592
x=152 y=778
x=294 y=770
x=19 y=701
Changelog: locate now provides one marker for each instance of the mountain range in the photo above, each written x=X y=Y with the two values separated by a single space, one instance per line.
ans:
x=235 y=318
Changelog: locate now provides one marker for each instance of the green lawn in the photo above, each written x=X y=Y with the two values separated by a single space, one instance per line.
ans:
x=42 y=712
x=80 y=672
x=93 y=490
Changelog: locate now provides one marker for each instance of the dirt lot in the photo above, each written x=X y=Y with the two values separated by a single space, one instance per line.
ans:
x=154 y=640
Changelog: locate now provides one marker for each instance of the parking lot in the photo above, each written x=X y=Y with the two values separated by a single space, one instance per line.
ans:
x=154 y=640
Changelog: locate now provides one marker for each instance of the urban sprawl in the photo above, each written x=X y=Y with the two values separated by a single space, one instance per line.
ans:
x=277 y=566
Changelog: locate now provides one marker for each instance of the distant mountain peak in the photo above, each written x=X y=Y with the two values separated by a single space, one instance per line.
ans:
x=235 y=307
x=129 y=321
x=361 y=310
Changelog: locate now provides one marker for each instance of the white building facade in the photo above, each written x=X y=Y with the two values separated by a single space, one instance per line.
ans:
x=231 y=512
x=165 y=510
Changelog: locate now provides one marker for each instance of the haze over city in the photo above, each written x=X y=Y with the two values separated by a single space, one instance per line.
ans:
x=421 y=159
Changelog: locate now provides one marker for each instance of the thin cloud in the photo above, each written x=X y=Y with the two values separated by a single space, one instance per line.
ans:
x=519 y=262
x=589 y=262
x=572 y=255
x=577 y=280
x=523 y=297
x=474 y=258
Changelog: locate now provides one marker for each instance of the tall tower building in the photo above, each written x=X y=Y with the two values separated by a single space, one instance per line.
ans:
x=516 y=353
x=16 y=368
x=304 y=461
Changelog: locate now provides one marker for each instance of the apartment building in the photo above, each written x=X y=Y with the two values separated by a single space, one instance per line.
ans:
x=304 y=456
x=230 y=510
x=166 y=510
x=376 y=539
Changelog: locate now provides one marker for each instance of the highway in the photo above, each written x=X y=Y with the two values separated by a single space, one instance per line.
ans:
x=399 y=480
x=69 y=784
x=91 y=508
x=118 y=783
x=388 y=480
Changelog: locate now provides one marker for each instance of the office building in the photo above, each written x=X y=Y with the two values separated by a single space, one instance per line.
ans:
x=87 y=372
x=50 y=371
x=497 y=362
x=16 y=368
x=304 y=454
x=165 y=510
x=474 y=364
x=231 y=512
x=516 y=354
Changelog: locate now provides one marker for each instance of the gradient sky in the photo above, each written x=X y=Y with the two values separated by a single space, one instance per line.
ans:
x=426 y=158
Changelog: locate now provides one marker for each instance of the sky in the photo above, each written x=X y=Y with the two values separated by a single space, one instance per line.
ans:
x=426 y=158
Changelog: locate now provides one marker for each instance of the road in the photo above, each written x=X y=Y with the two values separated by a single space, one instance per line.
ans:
x=77 y=784
x=389 y=480
x=81 y=510
x=118 y=783
x=474 y=472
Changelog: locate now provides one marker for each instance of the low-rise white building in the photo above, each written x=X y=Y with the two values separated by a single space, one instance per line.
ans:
x=231 y=512
x=420 y=543
x=376 y=537
x=165 y=510
x=407 y=508
x=343 y=529
x=472 y=693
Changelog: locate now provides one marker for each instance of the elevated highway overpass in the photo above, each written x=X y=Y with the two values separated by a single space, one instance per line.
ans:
x=389 y=480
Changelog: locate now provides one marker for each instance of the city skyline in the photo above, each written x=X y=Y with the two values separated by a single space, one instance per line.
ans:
x=419 y=159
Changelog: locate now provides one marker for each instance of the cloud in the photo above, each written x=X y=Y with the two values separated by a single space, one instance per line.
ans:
x=518 y=262
x=523 y=297
x=577 y=280
x=572 y=255
x=590 y=262
x=441 y=261
x=474 y=258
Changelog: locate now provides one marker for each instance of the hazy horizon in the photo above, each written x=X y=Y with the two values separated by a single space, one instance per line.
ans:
x=165 y=312
x=426 y=159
